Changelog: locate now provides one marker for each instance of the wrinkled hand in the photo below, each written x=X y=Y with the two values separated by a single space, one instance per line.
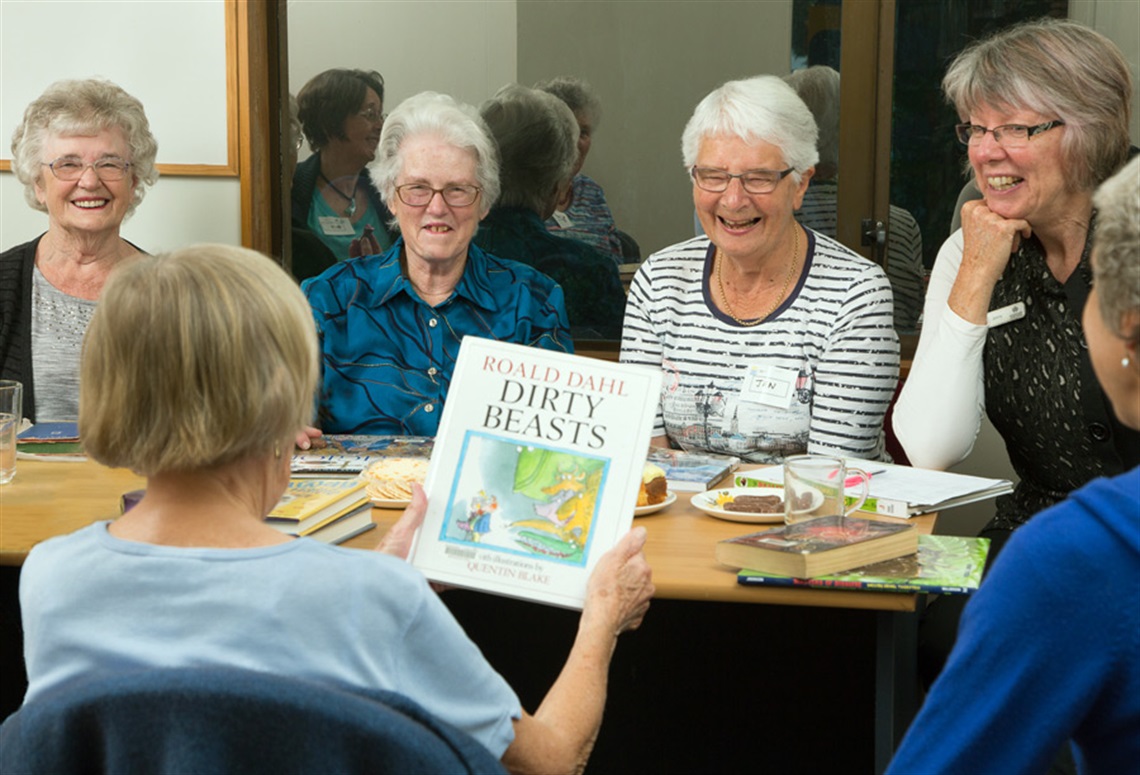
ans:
x=309 y=437
x=989 y=239
x=398 y=540
x=619 y=590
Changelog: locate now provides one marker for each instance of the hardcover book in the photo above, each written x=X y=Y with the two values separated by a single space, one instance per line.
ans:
x=692 y=471
x=535 y=471
x=816 y=547
x=338 y=530
x=944 y=565
x=312 y=503
x=349 y=454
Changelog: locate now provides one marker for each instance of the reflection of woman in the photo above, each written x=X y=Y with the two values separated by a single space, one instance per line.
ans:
x=391 y=324
x=205 y=401
x=341 y=114
x=775 y=340
x=1045 y=109
x=536 y=137
x=582 y=213
x=85 y=155
x=1048 y=648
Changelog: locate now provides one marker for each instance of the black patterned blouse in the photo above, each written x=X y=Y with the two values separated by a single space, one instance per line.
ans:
x=1041 y=393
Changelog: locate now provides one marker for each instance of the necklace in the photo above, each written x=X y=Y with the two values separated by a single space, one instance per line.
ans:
x=776 y=303
x=351 y=209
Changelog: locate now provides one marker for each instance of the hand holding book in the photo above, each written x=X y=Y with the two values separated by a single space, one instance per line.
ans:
x=400 y=537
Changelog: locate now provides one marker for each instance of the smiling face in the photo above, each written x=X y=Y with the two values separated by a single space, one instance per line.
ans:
x=746 y=225
x=1024 y=183
x=89 y=205
x=436 y=233
x=361 y=134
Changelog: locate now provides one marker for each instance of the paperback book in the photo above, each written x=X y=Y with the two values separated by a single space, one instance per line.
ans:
x=944 y=565
x=50 y=441
x=692 y=471
x=309 y=504
x=535 y=471
x=818 y=546
x=340 y=529
x=349 y=454
x=900 y=491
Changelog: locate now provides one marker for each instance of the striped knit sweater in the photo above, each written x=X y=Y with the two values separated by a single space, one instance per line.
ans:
x=831 y=345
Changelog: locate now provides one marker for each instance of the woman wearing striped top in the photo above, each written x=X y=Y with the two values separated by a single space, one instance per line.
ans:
x=774 y=340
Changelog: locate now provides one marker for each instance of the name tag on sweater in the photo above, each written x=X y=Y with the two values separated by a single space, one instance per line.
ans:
x=999 y=317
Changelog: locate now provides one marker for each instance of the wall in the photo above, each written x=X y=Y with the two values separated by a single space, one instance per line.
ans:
x=650 y=66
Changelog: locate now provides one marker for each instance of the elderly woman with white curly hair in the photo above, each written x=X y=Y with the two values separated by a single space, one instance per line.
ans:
x=85 y=154
x=775 y=340
x=390 y=324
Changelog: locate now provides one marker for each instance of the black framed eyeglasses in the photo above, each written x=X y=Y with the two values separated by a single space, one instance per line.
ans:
x=754 y=181
x=1006 y=135
x=419 y=195
x=109 y=168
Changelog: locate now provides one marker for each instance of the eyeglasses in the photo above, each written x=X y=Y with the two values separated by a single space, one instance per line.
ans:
x=1006 y=135
x=754 y=181
x=373 y=115
x=418 y=195
x=70 y=168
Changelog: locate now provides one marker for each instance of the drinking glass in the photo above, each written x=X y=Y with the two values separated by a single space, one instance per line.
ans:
x=11 y=411
x=814 y=486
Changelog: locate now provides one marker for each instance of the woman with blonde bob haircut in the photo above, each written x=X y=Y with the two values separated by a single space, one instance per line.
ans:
x=199 y=368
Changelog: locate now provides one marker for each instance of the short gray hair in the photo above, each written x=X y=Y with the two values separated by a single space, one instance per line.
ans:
x=1056 y=67
x=1116 y=247
x=818 y=87
x=578 y=95
x=537 y=136
x=431 y=113
x=83 y=107
x=763 y=108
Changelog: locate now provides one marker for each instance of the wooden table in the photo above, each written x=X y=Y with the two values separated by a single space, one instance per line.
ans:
x=47 y=499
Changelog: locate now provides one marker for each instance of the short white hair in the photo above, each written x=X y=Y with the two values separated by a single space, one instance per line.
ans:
x=763 y=108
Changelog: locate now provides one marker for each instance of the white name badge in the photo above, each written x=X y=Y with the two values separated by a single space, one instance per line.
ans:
x=335 y=226
x=562 y=219
x=769 y=385
x=999 y=317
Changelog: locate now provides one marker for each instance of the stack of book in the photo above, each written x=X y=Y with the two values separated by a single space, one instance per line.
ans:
x=348 y=455
x=692 y=471
x=50 y=441
x=329 y=510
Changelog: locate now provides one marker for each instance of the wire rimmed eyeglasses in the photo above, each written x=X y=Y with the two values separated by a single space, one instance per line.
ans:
x=373 y=115
x=754 y=181
x=1006 y=135
x=418 y=195
x=71 y=168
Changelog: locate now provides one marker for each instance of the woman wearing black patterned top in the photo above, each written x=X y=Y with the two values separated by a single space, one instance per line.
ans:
x=1045 y=107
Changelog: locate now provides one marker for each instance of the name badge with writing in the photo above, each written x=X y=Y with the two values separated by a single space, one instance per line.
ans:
x=769 y=385
x=335 y=226
x=1008 y=314
x=562 y=219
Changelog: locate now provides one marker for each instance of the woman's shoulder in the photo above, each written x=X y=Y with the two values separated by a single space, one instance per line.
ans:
x=14 y=255
x=691 y=252
x=836 y=260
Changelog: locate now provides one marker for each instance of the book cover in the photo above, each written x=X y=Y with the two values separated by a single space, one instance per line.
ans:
x=535 y=470
x=311 y=503
x=349 y=454
x=943 y=565
x=49 y=432
x=356 y=520
x=818 y=546
x=692 y=471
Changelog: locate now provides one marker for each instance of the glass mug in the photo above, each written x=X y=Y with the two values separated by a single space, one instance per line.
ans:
x=11 y=410
x=814 y=486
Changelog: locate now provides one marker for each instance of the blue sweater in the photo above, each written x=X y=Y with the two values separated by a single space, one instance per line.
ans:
x=1048 y=650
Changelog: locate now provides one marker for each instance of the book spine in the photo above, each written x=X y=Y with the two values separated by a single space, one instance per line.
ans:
x=680 y=485
x=867 y=586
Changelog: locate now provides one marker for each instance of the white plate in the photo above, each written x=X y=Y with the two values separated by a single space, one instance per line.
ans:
x=707 y=502
x=641 y=511
x=390 y=504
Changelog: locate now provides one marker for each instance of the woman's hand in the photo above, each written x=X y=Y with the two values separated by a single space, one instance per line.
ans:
x=988 y=241
x=398 y=540
x=619 y=590
x=309 y=437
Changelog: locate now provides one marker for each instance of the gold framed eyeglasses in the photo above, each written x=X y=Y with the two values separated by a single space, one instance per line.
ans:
x=754 y=181
x=69 y=168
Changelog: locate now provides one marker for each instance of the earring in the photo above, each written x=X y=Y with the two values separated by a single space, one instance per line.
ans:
x=1126 y=361
x=277 y=450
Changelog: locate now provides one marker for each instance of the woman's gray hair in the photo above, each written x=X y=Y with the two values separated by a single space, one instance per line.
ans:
x=444 y=117
x=537 y=136
x=578 y=95
x=818 y=87
x=80 y=108
x=763 y=108
x=1116 y=247
x=1058 y=68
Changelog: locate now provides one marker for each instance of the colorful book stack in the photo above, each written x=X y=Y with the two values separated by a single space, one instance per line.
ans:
x=329 y=510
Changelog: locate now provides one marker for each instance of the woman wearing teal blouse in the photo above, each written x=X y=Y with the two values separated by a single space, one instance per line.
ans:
x=390 y=325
